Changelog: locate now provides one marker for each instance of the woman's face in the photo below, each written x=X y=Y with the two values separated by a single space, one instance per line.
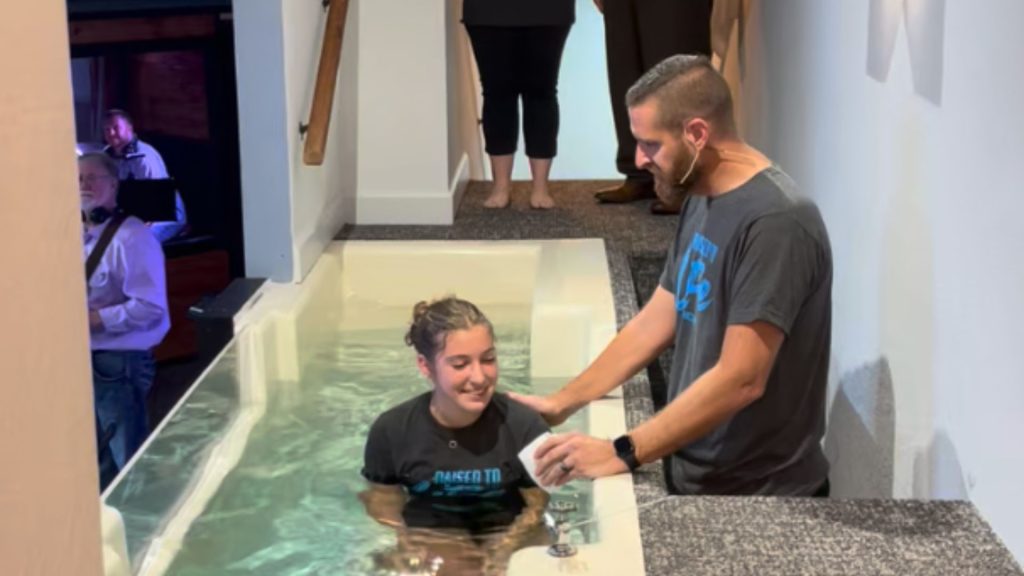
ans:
x=465 y=372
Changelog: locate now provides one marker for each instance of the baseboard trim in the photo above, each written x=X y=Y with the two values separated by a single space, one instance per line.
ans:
x=415 y=207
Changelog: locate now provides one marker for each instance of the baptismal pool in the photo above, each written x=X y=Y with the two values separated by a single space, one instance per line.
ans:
x=256 y=471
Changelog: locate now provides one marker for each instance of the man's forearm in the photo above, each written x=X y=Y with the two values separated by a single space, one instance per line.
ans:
x=709 y=401
x=737 y=380
x=133 y=314
x=632 y=349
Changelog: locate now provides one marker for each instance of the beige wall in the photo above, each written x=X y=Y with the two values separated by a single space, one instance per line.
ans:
x=49 y=504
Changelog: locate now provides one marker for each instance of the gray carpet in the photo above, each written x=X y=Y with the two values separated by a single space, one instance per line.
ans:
x=630 y=227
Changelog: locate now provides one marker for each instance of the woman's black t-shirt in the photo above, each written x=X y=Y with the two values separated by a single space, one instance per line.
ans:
x=473 y=470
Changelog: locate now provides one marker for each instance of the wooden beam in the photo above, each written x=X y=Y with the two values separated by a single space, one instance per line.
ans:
x=326 y=82
x=112 y=31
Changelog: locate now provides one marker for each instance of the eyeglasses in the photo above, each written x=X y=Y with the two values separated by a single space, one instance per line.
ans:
x=91 y=179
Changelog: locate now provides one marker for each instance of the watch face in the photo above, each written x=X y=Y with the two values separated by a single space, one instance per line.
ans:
x=623 y=445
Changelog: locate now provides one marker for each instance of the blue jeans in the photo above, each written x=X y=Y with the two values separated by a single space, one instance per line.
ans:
x=120 y=382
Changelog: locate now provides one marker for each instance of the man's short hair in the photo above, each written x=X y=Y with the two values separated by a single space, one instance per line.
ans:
x=117 y=113
x=686 y=86
x=108 y=163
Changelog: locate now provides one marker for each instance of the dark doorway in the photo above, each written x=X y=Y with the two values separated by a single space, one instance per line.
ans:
x=174 y=72
x=171 y=65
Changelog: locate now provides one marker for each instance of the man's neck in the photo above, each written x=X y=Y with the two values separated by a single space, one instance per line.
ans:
x=90 y=225
x=123 y=149
x=731 y=163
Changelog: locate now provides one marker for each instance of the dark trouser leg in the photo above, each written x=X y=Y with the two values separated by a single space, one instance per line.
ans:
x=823 y=491
x=121 y=381
x=670 y=27
x=542 y=48
x=622 y=44
x=107 y=466
x=495 y=51
x=638 y=35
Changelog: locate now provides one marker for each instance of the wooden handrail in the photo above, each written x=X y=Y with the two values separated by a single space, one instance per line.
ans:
x=326 y=81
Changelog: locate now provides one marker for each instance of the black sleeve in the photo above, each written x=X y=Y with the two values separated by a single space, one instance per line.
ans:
x=526 y=425
x=378 y=458
x=523 y=421
x=534 y=425
x=779 y=261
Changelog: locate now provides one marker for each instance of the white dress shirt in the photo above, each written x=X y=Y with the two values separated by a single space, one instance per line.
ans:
x=128 y=289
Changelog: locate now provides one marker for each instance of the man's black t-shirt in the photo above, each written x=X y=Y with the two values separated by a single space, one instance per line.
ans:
x=448 y=472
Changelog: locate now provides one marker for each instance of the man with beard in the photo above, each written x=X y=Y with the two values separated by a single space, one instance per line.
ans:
x=745 y=296
x=137 y=160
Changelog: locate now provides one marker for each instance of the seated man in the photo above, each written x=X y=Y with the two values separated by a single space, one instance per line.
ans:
x=140 y=161
x=127 y=298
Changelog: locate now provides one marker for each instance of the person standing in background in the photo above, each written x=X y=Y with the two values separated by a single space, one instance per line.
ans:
x=127 y=299
x=138 y=160
x=638 y=35
x=518 y=47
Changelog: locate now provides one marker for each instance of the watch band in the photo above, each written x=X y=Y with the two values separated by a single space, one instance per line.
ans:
x=626 y=451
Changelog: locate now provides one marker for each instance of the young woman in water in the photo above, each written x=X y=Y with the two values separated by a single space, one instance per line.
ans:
x=443 y=467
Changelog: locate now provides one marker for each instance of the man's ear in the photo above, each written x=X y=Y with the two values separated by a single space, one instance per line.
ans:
x=698 y=132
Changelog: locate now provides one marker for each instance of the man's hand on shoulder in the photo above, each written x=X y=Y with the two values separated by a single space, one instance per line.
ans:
x=553 y=412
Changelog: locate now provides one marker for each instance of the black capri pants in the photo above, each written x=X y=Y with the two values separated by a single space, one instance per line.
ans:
x=519 y=62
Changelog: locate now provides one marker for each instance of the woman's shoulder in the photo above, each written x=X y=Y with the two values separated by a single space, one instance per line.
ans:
x=512 y=406
x=401 y=414
x=517 y=415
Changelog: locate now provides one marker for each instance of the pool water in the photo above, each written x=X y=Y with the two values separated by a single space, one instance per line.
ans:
x=287 y=504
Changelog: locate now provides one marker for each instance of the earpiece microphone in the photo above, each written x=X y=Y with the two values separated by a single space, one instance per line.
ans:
x=696 y=155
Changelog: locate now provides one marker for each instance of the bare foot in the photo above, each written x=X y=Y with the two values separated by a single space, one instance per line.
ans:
x=541 y=199
x=498 y=198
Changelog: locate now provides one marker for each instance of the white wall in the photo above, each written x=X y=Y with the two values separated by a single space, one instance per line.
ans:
x=291 y=211
x=323 y=197
x=263 y=132
x=49 y=493
x=465 y=139
x=403 y=114
x=917 y=175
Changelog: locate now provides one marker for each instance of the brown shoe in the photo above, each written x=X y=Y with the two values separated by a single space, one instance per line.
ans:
x=661 y=208
x=628 y=191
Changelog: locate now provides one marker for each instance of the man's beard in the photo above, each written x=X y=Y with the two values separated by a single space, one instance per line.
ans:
x=670 y=186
